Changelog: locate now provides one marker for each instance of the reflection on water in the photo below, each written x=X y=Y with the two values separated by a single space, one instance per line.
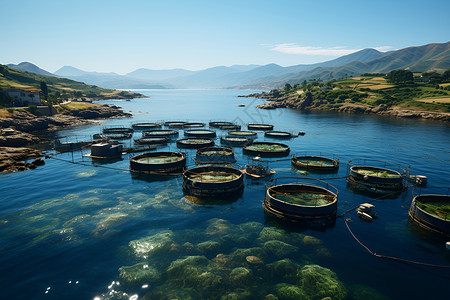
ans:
x=78 y=232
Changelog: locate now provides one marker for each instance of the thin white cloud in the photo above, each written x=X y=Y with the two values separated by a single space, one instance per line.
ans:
x=290 y=48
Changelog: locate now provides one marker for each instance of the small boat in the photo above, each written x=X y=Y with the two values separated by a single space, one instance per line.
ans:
x=257 y=168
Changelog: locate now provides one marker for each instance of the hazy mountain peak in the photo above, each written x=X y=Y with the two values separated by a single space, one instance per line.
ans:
x=29 y=67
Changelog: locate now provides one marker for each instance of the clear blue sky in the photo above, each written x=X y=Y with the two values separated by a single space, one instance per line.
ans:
x=121 y=36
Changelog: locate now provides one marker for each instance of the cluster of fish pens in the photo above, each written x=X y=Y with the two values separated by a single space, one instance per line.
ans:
x=294 y=199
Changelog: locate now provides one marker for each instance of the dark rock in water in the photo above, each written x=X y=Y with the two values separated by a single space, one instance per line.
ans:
x=13 y=159
x=38 y=162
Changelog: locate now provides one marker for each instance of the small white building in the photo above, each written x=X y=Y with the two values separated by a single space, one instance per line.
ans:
x=24 y=97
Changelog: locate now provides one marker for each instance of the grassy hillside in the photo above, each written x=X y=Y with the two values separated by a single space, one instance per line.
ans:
x=371 y=90
x=59 y=89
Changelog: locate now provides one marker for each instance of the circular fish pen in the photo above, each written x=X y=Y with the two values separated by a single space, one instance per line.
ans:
x=213 y=181
x=259 y=126
x=318 y=163
x=215 y=155
x=300 y=201
x=234 y=141
x=194 y=125
x=117 y=135
x=266 y=149
x=175 y=124
x=152 y=141
x=158 y=162
x=160 y=133
x=282 y=135
x=376 y=177
x=431 y=212
x=246 y=134
x=117 y=130
x=219 y=124
x=200 y=133
x=194 y=143
x=145 y=126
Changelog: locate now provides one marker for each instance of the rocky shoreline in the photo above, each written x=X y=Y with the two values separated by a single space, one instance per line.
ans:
x=20 y=130
x=301 y=103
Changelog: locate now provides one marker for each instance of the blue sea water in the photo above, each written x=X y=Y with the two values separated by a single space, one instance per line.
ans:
x=65 y=229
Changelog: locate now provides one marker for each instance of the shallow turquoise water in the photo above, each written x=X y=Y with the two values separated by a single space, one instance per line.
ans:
x=66 y=229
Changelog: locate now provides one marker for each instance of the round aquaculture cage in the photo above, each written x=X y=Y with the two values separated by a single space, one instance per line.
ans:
x=114 y=130
x=195 y=143
x=158 y=162
x=204 y=133
x=160 y=133
x=219 y=124
x=309 y=162
x=175 y=124
x=118 y=135
x=152 y=141
x=215 y=155
x=145 y=126
x=278 y=134
x=431 y=212
x=378 y=177
x=194 y=125
x=213 y=181
x=259 y=126
x=266 y=149
x=234 y=141
x=246 y=134
x=299 y=200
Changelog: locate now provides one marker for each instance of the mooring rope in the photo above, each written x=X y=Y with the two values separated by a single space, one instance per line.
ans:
x=392 y=257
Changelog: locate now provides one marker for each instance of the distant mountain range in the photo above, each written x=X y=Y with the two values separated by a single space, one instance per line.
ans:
x=419 y=59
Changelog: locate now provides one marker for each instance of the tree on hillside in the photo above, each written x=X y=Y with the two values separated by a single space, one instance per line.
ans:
x=446 y=76
x=44 y=90
x=400 y=76
x=287 y=87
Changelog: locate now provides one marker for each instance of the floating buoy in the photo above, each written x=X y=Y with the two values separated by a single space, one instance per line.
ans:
x=447 y=245
x=364 y=216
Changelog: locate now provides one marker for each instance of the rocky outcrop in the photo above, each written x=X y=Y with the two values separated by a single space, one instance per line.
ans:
x=14 y=159
x=16 y=138
x=303 y=103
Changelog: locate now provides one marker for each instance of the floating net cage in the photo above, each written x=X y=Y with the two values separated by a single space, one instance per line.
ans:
x=382 y=176
x=278 y=134
x=213 y=181
x=145 y=126
x=194 y=143
x=243 y=133
x=158 y=162
x=301 y=199
x=160 y=133
x=152 y=141
x=116 y=135
x=175 y=124
x=194 y=125
x=234 y=141
x=315 y=163
x=259 y=126
x=266 y=149
x=432 y=212
x=205 y=133
x=215 y=155
x=116 y=129
x=219 y=124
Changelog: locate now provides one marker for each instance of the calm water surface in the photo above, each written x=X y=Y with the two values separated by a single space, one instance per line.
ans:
x=69 y=231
